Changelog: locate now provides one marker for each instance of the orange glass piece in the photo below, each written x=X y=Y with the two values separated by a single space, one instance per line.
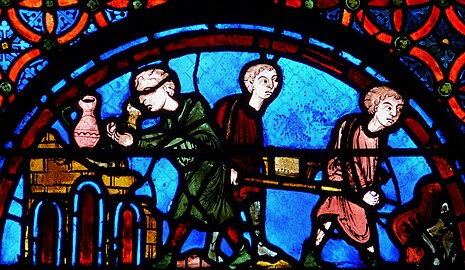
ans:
x=101 y=20
x=330 y=67
x=32 y=134
x=455 y=20
x=398 y=15
x=419 y=131
x=444 y=168
x=64 y=3
x=75 y=31
x=461 y=226
x=127 y=237
x=49 y=22
x=5 y=189
x=19 y=64
x=457 y=199
x=153 y=3
x=284 y=47
x=294 y=3
x=372 y=29
x=456 y=108
x=426 y=28
x=416 y=2
x=429 y=61
x=118 y=3
x=147 y=53
x=19 y=26
x=96 y=77
x=346 y=16
x=378 y=3
x=31 y=3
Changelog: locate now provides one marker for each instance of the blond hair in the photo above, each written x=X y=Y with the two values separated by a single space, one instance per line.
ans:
x=376 y=95
x=252 y=72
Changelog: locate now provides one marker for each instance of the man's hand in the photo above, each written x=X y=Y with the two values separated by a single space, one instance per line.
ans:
x=124 y=139
x=371 y=198
x=134 y=114
x=234 y=177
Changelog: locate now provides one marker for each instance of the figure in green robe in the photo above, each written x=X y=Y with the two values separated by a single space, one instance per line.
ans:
x=184 y=127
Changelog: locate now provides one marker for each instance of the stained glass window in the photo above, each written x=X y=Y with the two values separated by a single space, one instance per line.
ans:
x=247 y=134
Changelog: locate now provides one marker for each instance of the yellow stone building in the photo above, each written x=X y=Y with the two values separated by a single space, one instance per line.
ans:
x=93 y=217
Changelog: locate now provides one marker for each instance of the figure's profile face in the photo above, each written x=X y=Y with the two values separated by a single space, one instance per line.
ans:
x=388 y=111
x=152 y=95
x=265 y=83
x=154 y=101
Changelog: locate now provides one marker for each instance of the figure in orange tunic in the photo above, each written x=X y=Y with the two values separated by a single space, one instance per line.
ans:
x=359 y=176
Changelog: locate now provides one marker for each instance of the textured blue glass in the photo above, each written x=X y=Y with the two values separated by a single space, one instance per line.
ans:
x=145 y=190
x=218 y=75
x=34 y=18
x=25 y=121
x=82 y=69
x=376 y=74
x=333 y=14
x=115 y=15
x=441 y=136
x=6 y=59
x=11 y=242
x=181 y=30
x=381 y=18
x=113 y=96
x=357 y=28
x=350 y=58
x=123 y=48
x=423 y=114
x=16 y=209
x=304 y=113
x=195 y=239
x=149 y=122
x=30 y=71
x=66 y=19
x=320 y=44
x=62 y=132
x=58 y=86
x=185 y=66
x=292 y=34
x=245 y=26
x=416 y=17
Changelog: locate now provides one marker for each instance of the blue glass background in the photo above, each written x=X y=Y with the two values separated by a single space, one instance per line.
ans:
x=301 y=117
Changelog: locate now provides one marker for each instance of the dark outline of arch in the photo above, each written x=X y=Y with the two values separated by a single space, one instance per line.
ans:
x=373 y=54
